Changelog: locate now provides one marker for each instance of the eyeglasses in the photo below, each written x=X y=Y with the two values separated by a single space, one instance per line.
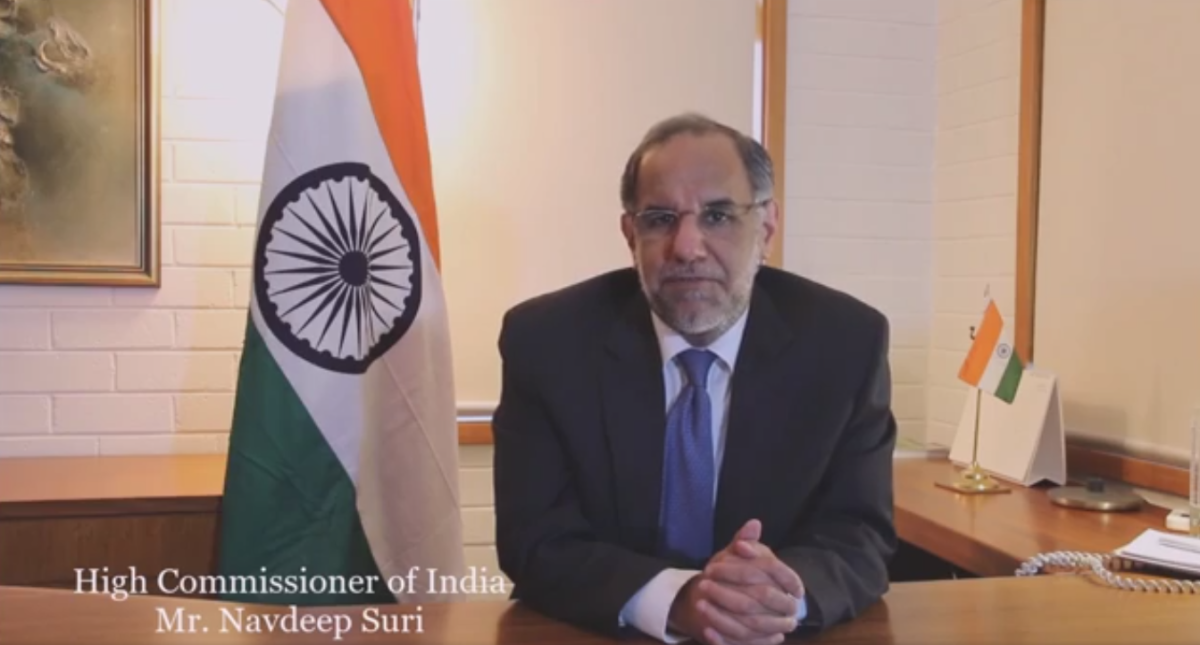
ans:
x=720 y=218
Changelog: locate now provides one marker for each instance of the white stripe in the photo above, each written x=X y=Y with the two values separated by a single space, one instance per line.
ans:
x=996 y=365
x=393 y=428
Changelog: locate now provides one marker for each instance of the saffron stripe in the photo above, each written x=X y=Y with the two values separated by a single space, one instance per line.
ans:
x=981 y=349
x=380 y=35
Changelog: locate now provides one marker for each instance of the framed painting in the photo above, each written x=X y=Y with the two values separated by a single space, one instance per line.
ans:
x=79 y=178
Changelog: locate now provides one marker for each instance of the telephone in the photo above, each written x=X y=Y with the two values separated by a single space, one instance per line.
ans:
x=1151 y=549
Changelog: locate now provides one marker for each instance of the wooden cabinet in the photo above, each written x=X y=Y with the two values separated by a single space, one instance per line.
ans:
x=58 y=515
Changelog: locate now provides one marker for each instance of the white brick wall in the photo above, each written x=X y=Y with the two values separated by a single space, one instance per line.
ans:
x=974 y=215
x=153 y=370
x=861 y=117
x=86 y=371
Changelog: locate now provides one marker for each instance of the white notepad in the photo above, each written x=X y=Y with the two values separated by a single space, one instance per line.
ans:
x=1176 y=552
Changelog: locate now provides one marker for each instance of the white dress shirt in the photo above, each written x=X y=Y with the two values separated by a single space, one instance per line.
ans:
x=648 y=609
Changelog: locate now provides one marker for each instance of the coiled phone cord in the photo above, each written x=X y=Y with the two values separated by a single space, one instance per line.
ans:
x=1101 y=566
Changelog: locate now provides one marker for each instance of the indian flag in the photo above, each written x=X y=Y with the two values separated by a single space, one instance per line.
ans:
x=343 y=456
x=992 y=365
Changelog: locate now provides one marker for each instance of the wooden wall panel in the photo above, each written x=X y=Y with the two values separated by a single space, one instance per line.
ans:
x=48 y=550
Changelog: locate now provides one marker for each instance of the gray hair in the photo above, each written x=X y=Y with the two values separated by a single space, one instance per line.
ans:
x=755 y=158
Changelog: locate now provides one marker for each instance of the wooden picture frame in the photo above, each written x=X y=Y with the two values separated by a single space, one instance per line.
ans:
x=79 y=145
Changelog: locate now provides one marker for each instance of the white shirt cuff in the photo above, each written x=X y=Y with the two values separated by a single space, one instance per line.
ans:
x=649 y=608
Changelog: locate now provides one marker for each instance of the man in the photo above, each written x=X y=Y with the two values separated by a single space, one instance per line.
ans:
x=700 y=446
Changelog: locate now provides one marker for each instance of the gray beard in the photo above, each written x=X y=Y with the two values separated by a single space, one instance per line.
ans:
x=702 y=328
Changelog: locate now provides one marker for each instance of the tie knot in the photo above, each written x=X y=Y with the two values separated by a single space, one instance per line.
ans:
x=696 y=363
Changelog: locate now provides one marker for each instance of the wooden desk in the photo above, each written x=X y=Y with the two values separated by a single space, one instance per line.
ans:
x=990 y=535
x=157 y=512
x=1016 y=611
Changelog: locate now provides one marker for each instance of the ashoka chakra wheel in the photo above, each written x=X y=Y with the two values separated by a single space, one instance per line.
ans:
x=337 y=265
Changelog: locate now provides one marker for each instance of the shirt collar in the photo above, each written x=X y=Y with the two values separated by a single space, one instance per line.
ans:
x=671 y=342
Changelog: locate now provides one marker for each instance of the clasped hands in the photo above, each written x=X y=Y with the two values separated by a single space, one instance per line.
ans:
x=745 y=595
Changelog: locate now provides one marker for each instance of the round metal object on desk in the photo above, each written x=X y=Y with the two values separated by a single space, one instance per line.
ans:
x=1096 y=496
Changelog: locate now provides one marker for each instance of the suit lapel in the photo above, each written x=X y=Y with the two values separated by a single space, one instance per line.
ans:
x=759 y=402
x=635 y=422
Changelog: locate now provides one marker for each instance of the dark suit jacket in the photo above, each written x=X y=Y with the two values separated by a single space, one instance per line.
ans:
x=579 y=446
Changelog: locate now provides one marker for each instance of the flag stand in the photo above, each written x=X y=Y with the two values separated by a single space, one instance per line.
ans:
x=974 y=480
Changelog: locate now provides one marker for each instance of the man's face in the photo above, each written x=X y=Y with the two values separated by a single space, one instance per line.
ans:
x=696 y=239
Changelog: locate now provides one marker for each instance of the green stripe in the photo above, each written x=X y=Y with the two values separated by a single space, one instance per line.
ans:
x=1007 y=389
x=288 y=503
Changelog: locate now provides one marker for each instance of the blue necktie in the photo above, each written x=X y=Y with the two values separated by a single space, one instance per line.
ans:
x=686 y=512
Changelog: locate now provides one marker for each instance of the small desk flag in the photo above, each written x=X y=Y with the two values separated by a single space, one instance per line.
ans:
x=992 y=364
x=343 y=451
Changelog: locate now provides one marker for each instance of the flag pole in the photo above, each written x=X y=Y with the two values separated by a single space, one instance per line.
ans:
x=974 y=480
x=975 y=444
